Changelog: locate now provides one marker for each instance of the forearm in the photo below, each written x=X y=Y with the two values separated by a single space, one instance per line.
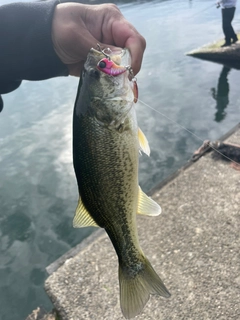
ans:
x=26 y=48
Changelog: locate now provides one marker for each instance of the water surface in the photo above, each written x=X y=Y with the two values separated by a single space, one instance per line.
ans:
x=38 y=191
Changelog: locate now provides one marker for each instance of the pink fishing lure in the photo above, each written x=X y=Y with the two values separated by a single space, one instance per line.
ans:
x=109 y=67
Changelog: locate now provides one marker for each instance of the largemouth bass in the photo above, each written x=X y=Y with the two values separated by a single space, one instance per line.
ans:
x=106 y=143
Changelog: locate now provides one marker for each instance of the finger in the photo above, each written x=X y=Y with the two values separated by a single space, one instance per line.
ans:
x=126 y=36
x=79 y=42
x=136 y=49
x=70 y=35
x=116 y=30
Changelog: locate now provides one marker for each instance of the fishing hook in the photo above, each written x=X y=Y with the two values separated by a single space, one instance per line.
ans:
x=103 y=51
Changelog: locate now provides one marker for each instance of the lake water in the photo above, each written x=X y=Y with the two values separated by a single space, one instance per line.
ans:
x=38 y=191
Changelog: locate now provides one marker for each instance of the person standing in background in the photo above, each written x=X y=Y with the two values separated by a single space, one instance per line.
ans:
x=228 y=11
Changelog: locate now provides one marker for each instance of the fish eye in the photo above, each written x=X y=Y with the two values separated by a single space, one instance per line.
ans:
x=94 y=73
x=102 y=64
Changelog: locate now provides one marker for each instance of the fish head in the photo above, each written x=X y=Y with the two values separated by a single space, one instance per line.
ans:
x=105 y=94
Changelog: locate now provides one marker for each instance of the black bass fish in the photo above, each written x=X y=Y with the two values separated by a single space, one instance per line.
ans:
x=106 y=143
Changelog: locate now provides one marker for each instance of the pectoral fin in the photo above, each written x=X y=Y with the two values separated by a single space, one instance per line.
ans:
x=144 y=146
x=146 y=205
x=82 y=217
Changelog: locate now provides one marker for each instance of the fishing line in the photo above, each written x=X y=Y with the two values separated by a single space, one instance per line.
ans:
x=171 y=120
x=187 y=130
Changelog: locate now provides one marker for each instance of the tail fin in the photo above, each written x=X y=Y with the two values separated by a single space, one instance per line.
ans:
x=135 y=290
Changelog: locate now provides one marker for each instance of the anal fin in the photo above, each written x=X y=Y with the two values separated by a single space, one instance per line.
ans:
x=82 y=217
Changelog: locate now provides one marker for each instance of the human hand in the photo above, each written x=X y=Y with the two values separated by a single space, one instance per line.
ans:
x=76 y=28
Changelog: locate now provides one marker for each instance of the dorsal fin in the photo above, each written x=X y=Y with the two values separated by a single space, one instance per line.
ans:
x=143 y=143
x=82 y=217
x=146 y=205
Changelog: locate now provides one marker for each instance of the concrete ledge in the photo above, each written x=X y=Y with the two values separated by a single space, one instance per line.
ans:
x=229 y=56
x=71 y=253
x=194 y=246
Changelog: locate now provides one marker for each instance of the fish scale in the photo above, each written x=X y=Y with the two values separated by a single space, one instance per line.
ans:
x=101 y=166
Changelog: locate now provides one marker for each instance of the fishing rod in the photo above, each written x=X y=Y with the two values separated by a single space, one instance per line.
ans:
x=207 y=8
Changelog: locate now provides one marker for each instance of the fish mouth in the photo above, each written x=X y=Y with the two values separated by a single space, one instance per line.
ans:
x=118 y=55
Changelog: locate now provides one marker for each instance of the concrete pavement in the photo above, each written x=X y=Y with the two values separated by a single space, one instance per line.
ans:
x=194 y=245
